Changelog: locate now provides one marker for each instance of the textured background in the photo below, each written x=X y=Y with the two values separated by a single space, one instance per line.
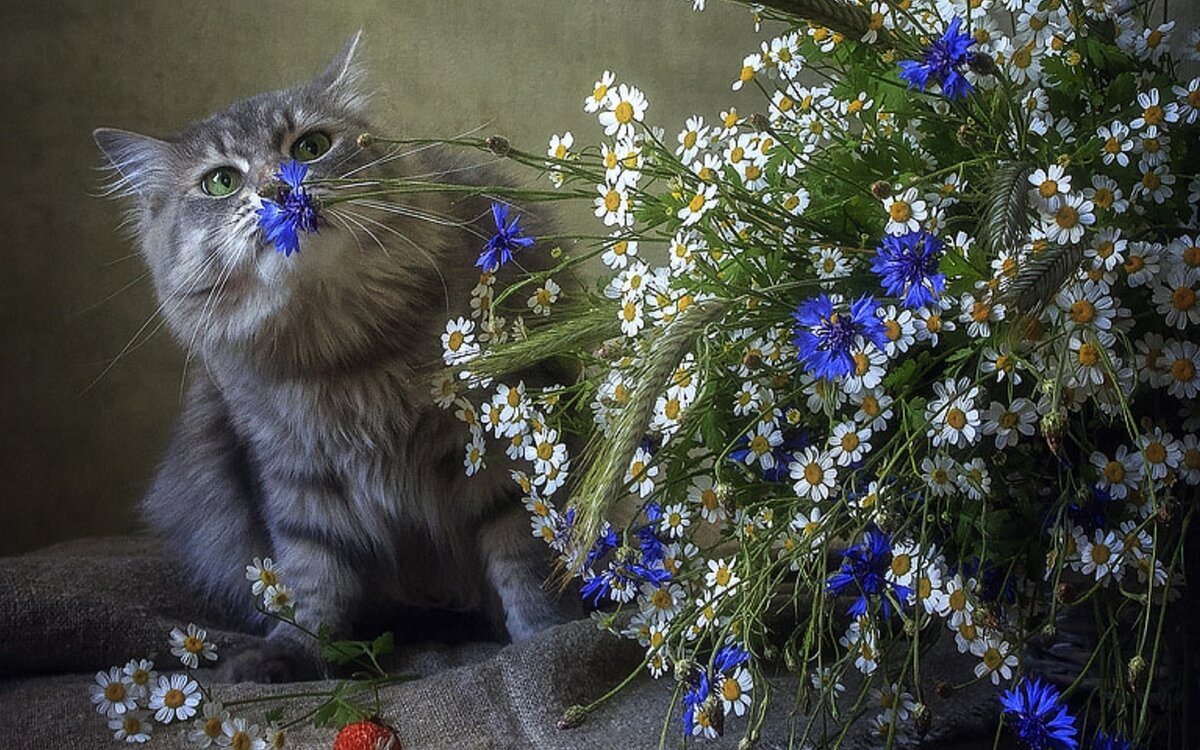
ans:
x=78 y=444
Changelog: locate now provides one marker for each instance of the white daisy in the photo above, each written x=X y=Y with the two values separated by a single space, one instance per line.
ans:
x=1050 y=185
x=1175 y=298
x=1066 y=222
x=111 y=694
x=641 y=473
x=1117 y=143
x=814 y=473
x=905 y=212
x=940 y=475
x=996 y=660
x=848 y=443
x=621 y=109
x=206 y=728
x=131 y=727
x=192 y=645
x=239 y=734
x=1101 y=555
x=720 y=576
x=458 y=342
x=1182 y=360
x=600 y=93
x=279 y=597
x=139 y=675
x=1161 y=452
x=952 y=415
x=263 y=573
x=735 y=690
x=175 y=698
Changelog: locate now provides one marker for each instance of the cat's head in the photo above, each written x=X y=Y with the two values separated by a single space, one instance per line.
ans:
x=195 y=196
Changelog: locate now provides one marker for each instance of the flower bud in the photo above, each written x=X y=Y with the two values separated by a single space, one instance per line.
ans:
x=364 y=140
x=572 y=717
x=498 y=145
x=922 y=718
x=759 y=122
x=881 y=189
x=982 y=63
x=1137 y=666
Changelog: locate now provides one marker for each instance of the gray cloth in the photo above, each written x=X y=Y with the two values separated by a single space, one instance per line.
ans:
x=73 y=609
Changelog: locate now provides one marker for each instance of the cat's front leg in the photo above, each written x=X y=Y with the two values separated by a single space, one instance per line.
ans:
x=319 y=566
x=517 y=566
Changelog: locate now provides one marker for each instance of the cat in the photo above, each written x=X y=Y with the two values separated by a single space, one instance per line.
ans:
x=308 y=432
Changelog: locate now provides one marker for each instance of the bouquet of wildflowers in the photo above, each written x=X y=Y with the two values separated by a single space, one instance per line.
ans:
x=910 y=353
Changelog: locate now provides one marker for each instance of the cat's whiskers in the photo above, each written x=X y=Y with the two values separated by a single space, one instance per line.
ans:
x=345 y=225
x=355 y=217
x=210 y=305
x=421 y=214
x=108 y=297
x=395 y=153
x=181 y=292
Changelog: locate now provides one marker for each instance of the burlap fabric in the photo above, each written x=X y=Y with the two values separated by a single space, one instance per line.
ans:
x=76 y=608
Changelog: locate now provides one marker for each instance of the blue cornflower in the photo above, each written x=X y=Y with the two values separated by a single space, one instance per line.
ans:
x=506 y=241
x=295 y=210
x=824 y=337
x=865 y=567
x=1106 y=741
x=620 y=581
x=907 y=266
x=1034 y=712
x=941 y=63
x=729 y=657
x=693 y=701
x=605 y=541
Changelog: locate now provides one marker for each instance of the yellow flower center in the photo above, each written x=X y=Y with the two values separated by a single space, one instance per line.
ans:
x=1066 y=217
x=813 y=473
x=193 y=645
x=901 y=564
x=1191 y=256
x=1134 y=264
x=1191 y=458
x=1048 y=188
x=1008 y=420
x=850 y=442
x=958 y=600
x=241 y=741
x=1183 y=298
x=723 y=576
x=730 y=689
x=1101 y=553
x=600 y=92
x=900 y=211
x=545 y=451
x=933 y=323
x=624 y=113
x=992 y=657
x=1114 y=471
x=212 y=727
x=1151 y=180
x=870 y=406
x=956 y=418
x=696 y=203
x=1156 y=452
x=861 y=364
x=612 y=200
x=456 y=340
x=1183 y=370
x=173 y=698
x=1082 y=311
x=746 y=73
x=131 y=725
x=1088 y=355
x=114 y=692
x=980 y=312
x=759 y=445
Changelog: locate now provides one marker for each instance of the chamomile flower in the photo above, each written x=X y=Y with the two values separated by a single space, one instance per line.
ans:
x=699 y=203
x=138 y=677
x=1153 y=111
x=132 y=727
x=1177 y=298
x=192 y=646
x=814 y=473
x=1189 y=465
x=641 y=473
x=111 y=694
x=543 y=297
x=979 y=313
x=874 y=409
x=263 y=573
x=621 y=109
x=720 y=576
x=734 y=690
x=1182 y=360
x=1066 y=222
x=239 y=734
x=1050 y=186
x=1142 y=263
x=1002 y=363
x=1106 y=194
x=848 y=443
x=692 y=139
x=1008 y=423
x=458 y=342
x=601 y=93
x=1155 y=183
x=703 y=494
x=931 y=322
x=952 y=415
x=278 y=598
x=905 y=213
x=206 y=728
x=996 y=660
x=1101 y=555
x=612 y=205
x=1153 y=42
x=940 y=474
x=899 y=328
x=1120 y=474
x=1161 y=452
x=175 y=698
x=1116 y=143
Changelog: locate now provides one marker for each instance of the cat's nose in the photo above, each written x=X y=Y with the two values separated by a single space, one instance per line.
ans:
x=269 y=184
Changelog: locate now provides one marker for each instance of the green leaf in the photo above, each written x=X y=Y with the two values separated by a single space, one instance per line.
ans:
x=274 y=715
x=384 y=644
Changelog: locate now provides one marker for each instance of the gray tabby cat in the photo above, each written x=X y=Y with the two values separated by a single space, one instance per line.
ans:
x=310 y=434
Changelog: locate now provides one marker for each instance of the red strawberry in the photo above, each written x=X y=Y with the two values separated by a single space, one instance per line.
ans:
x=367 y=735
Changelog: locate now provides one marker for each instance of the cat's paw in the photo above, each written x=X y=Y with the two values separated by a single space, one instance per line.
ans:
x=274 y=660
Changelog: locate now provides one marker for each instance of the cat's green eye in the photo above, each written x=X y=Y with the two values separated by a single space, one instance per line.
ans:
x=310 y=146
x=221 y=182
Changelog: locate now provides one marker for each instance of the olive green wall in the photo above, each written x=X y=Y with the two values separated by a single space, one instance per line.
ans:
x=78 y=443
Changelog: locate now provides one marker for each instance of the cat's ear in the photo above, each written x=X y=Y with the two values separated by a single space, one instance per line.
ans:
x=138 y=162
x=343 y=78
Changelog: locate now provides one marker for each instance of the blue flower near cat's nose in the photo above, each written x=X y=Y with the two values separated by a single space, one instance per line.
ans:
x=295 y=210
x=507 y=240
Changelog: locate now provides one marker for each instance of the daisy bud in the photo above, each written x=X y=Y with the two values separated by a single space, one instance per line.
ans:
x=943 y=689
x=881 y=189
x=922 y=717
x=498 y=145
x=684 y=669
x=572 y=717
x=752 y=361
x=1165 y=514
x=759 y=122
x=364 y=140
x=1137 y=665
x=1049 y=630
x=910 y=627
